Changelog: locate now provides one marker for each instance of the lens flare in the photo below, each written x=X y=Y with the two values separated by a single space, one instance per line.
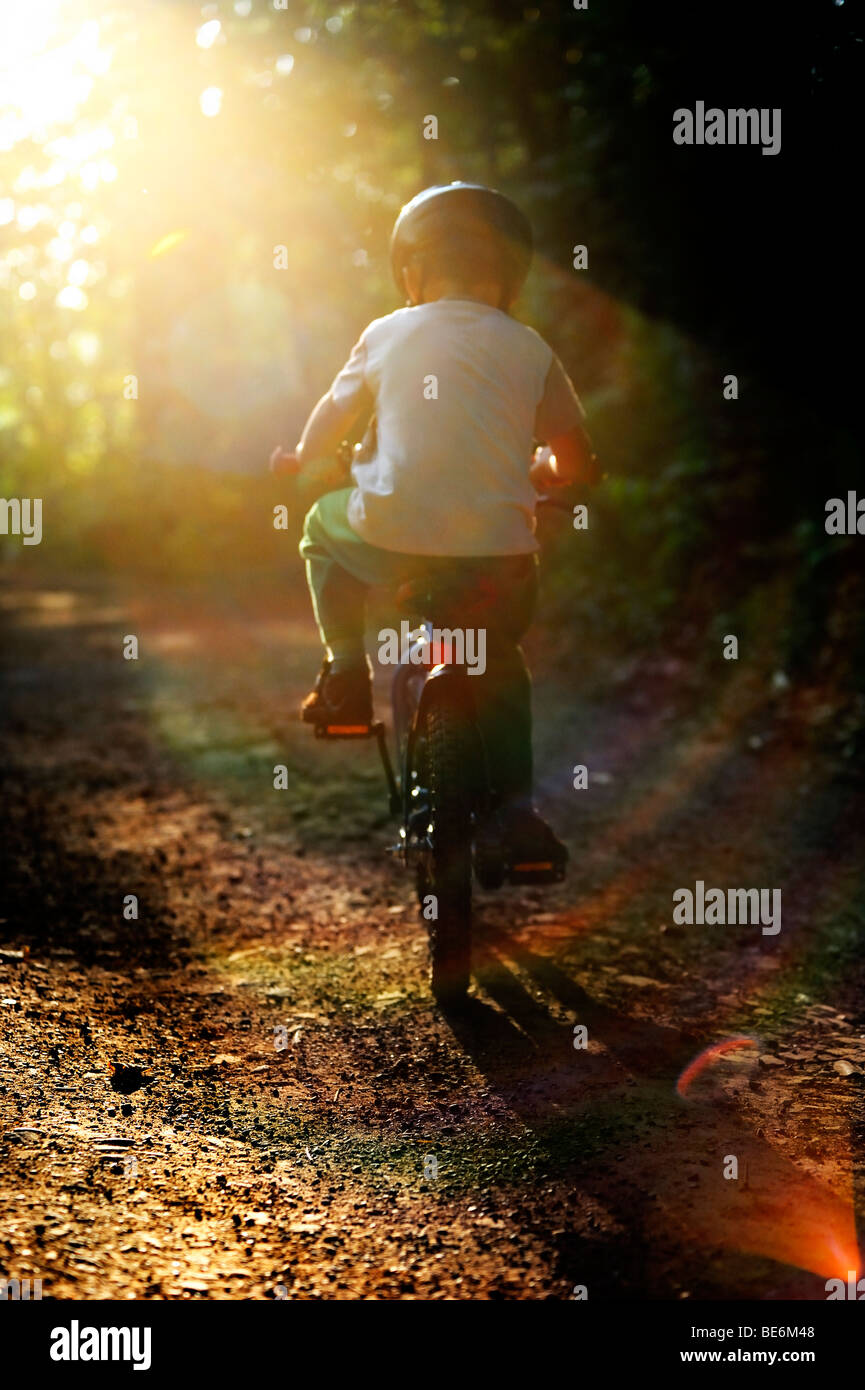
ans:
x=167 y=243
x=706 y=1057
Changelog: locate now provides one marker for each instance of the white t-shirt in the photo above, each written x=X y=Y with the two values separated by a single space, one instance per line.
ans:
x=460 y=392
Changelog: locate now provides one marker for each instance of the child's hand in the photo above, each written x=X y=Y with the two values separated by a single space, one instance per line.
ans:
x=283 y=464
x=565 y=462
x=541 y=472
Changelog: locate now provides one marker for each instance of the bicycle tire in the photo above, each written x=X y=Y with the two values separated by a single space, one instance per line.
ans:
x=445 y=763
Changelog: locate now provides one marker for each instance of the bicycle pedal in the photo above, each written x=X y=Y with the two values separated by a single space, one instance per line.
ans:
x=345 y=730
x=536 y=871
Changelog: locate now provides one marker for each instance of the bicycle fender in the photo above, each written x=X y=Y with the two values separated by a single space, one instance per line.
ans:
x=450 y=680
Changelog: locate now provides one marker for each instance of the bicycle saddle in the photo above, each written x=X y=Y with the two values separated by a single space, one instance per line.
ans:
x=421 y=594
x=449 y=598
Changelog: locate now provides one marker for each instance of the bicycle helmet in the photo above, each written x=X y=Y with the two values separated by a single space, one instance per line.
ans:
x=466 y=223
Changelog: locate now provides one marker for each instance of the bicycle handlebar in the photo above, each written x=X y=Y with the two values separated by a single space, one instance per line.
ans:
x=282 y=464
x=559 y=503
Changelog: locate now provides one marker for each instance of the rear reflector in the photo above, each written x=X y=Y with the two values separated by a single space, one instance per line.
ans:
x=442 y=654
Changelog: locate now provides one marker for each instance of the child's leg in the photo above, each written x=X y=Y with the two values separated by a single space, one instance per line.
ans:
x=338 y=597
x=504 y=712
x=340 y=567
x=503 y=702
x=503 y=695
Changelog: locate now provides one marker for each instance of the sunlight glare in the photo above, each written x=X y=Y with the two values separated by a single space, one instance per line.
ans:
x=211 y=101
x=45 y=77
x=71 y=297
x=208 y=33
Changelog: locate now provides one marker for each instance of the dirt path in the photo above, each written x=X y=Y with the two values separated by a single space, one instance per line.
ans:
x=387 y=1151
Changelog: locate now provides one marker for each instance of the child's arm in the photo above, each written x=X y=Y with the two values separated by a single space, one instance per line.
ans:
x=322 y=434
x=332 y=418
x=568 y=458
x=328 y=426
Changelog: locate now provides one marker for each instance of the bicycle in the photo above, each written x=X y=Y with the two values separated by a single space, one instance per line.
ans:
x=443 y=794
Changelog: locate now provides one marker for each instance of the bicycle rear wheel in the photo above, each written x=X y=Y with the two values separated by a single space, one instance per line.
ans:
x=444 y=768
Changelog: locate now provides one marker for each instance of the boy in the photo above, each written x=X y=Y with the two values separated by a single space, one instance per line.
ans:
x=443 y=484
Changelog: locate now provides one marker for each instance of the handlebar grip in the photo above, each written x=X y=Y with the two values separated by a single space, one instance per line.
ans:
x=287 y=466
x=561 y=504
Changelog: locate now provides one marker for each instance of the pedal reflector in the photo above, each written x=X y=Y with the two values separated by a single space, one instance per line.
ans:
x=344 y=729
x=540 y=867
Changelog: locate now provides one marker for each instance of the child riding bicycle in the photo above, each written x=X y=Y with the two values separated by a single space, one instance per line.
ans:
x=459 y=393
